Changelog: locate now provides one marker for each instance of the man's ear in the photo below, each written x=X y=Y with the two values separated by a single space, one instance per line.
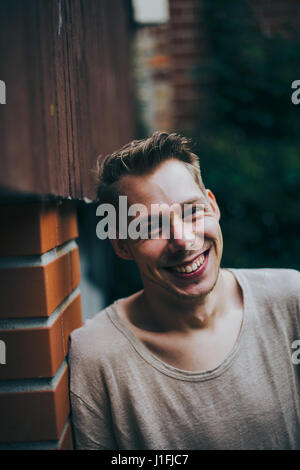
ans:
x=121 y=248
x=213 y=203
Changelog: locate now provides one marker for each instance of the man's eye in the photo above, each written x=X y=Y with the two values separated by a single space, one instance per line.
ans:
x=154 y=228
x=193 y=211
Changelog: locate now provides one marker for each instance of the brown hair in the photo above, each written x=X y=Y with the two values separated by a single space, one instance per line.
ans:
x=140 y=157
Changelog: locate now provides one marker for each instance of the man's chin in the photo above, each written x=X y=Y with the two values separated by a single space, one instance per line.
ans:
x=189 y=294
x=193 y=291
x=189 y=291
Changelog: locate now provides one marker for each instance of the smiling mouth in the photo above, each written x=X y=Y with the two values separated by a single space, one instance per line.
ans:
x=192 y=266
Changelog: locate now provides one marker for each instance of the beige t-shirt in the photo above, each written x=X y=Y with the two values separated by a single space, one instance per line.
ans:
x=124 y=397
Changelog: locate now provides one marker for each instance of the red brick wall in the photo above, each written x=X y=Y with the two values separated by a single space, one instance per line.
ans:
x=277 y=16
x=40 y=306
x=189 y=45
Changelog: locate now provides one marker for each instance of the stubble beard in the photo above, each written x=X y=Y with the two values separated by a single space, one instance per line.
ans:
x=180 y=295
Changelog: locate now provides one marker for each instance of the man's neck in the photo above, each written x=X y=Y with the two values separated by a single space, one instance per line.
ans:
x=168 y=313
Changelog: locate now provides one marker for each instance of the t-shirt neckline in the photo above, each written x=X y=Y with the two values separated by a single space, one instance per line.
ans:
x=173 y=371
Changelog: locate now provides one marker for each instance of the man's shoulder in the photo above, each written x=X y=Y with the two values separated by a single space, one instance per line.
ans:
x=94 y=349
x=95 y=338
x=271 y=274
x=277 y=283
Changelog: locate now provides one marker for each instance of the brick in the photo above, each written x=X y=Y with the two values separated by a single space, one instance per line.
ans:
x=65 y=442
x=67 y=228
x=58 y=280
x=30 y=229
x=185 y=3
x=184 y=80
x=187 y=115
x=48 y=223
x=72 y=319
x=189 y=15
x=34 y=410
x=184 y=54
x=187 y=94
x=38 y=351
x=192 y=17
x=31 y=353
x=194 y=33
x=75 y=268
x=35 y=291
x=23 y=292
x=184 y=24
x=187 y=43
x=19 y=234
x=186 y=103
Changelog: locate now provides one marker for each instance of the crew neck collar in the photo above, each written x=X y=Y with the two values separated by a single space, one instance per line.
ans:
x=173 y=371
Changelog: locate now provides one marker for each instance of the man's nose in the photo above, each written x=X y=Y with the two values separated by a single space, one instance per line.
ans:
x=181 y=236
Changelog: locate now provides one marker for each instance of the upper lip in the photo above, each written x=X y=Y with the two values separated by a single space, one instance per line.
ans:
x=190 y=261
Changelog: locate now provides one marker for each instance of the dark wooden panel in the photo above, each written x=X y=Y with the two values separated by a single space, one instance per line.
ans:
x=66 y=68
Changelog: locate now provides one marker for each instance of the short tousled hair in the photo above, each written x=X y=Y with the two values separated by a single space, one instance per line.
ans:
x=140 y=157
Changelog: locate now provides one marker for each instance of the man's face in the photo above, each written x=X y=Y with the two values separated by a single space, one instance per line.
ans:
x=157 y=258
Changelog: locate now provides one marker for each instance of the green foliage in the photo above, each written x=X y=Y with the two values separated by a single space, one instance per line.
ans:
x=249 y=143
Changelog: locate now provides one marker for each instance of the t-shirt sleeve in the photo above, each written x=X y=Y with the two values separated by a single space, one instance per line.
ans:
x=91 y=417
x=284 y=286
x=91 y=430
x=290 y=284
x=284 y=290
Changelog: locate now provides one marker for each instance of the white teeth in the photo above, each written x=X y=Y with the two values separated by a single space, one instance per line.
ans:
x=190 y=268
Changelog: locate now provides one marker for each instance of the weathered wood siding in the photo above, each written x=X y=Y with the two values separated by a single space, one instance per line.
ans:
x=65 y=64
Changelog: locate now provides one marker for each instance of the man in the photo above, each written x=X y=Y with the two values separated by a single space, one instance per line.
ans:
x=201 y=357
